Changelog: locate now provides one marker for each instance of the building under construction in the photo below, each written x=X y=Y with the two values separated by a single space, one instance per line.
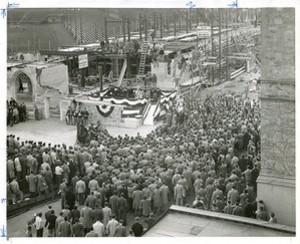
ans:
x=130 y=67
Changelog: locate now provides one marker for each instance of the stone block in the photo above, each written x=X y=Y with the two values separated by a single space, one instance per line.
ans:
x=278 y=194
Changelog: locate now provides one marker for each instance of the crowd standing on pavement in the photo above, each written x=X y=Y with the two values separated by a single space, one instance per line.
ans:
x=15 y=112
x=209 y=152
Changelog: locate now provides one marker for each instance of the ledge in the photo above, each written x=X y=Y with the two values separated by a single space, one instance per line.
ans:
x=233 y=218
x=277 y=99
x=287 y=181
x=290 y=82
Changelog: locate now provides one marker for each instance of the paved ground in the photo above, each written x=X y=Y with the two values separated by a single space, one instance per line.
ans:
x=57 y=132
x=185 y=225
x=16 y=226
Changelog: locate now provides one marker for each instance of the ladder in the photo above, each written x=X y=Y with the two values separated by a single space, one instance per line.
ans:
x=143 y=58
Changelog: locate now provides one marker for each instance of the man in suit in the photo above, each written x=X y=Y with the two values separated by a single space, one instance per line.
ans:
x=49 y=179
x=233 y=195
x=50 y=223
x=75 y=214
x=113 y=203
x=91 y=200
x=217 y=193
x=122 y=208
x=87 y=218
x=15 y=190
x=32 y=181
x=80 y=190
x=65 y=228
x=97 y=214
x=48 y=212
x=228 y=208
x=58 y=220
x=249 y=210
x=164 y=189
x=78 y=230
x=74 y=180
x=254 y=176
x=179 y=194
x=70 y=198
x=238 y=211
x=120 y=230
x=63 y=188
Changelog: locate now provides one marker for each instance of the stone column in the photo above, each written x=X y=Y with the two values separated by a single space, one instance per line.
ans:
x=46 y=107
x=276 y=183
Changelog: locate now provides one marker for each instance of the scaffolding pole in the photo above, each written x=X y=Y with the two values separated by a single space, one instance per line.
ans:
x=123 y=29
x=174 y=16
x=212 y=44
x=140 y=27
x=220 y=47
x=81 y=34
x=128 y=29
x=190 y=20
x=75 y=24
x=161 y=25
x=187 y=21
x=146 y=27
x=212 y=32
x=227 y=45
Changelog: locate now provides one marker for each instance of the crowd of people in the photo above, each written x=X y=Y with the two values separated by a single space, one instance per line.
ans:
x=75 y=115
x=209 y=152
x=15 y=112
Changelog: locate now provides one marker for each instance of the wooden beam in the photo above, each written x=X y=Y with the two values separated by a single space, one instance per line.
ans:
x=76 y=53
x=237 y=57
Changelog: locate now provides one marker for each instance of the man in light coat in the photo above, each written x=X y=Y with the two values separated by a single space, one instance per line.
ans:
x=99 y=228
x=87 y=218
x=80 y=189
x=233 y=195
x=32 y=181
x=65 y=228
x=179 y=194
x=111 y=226
x=164 y=189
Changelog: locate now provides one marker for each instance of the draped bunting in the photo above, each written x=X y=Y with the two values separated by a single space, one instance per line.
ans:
x=94 y=98
x=119 y=101
x=105 y=110
x=166 y=93
x=165 y=102
x=126 y=102
x=168 y=98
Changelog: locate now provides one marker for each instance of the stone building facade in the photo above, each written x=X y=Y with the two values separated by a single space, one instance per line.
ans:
x=48 y=84
x=276 y=183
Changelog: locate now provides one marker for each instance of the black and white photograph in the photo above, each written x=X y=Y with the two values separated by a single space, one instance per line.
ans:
x=150 y=122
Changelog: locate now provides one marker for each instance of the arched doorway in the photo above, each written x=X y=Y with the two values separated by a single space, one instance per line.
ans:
x=23 y=89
